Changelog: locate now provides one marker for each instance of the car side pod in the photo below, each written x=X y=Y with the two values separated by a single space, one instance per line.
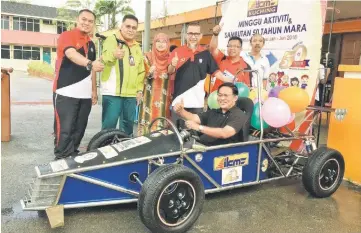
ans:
x=323 y=172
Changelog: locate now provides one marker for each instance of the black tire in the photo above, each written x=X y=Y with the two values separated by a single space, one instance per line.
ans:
x=97 y=135
x=154 y=190
x=105 y=137
x=314 y=177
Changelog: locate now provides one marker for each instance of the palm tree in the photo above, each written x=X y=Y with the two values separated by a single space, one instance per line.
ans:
x=111 y=9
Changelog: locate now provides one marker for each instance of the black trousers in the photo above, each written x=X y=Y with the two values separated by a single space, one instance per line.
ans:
x=179 y=122
x=71 y=120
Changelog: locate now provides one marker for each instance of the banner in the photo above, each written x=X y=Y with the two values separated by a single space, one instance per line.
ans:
x=293 y=38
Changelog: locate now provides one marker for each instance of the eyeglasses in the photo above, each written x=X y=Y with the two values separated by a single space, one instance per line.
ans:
x=233 y=46
x=196 y=34
x=134 y=28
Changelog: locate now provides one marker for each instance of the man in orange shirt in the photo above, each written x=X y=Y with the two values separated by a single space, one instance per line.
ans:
x=232 y=65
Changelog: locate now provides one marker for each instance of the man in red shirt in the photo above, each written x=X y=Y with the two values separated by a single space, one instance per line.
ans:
x=232 y=65
x=75 y=85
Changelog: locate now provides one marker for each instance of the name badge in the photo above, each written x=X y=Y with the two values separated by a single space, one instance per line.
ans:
x=131 y=61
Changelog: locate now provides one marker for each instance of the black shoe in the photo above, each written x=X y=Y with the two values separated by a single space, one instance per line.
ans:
x=73 y=154
x=60 y=157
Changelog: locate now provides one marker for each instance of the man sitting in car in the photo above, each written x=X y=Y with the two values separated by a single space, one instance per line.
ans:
x=217 y=126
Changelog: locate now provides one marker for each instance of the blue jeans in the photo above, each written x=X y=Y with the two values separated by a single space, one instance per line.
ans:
x=118 y=108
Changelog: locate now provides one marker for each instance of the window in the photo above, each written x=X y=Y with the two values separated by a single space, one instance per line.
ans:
x=26 y=53
x=53 y=50
x=47 y=22
x=4 y=22
x=26 y=24
x=61 y=27
x=5 y=51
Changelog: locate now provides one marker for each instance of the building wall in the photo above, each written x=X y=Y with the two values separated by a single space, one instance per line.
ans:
x=47 y=37
x=16 y=64
x=48 y=28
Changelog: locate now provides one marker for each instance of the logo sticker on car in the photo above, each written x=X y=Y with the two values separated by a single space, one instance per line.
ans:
x=236 y=160
x=85 y=157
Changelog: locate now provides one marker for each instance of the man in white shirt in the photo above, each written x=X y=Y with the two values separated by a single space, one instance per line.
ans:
x=257 y=60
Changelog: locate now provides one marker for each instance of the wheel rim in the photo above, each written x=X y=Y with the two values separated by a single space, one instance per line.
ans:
x=329 y=174
x=113 y=140
x=176 y=203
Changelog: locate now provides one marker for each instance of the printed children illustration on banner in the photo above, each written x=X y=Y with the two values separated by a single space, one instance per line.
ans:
x=295 y=82
x=272 y=80
x=304 y=81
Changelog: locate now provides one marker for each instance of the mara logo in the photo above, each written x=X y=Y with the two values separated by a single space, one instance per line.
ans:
x=262 y=7
x=236 y=160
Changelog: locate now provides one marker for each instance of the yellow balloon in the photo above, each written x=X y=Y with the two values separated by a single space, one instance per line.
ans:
x=253 y=95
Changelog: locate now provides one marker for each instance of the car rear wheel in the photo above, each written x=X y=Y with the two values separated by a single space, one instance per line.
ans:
x=323 y=172
x=171 y=199
x=106 y=137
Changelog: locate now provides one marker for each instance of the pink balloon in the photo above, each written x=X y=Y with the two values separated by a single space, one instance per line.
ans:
x=293 y=115
x=276 y=112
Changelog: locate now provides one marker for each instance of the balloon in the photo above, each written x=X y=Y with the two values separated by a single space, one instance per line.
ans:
x=296 y=98
x=212 y=100
x=276 y=112
x=254 y=95
x=255 y=119
x=243 y=90
x=293 y=115
x=274 y=92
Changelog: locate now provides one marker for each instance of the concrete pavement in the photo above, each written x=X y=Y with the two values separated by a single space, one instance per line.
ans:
x=27 y=89
x=275 y=207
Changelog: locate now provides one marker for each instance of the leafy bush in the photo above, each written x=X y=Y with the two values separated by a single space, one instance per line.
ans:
x=40 y=69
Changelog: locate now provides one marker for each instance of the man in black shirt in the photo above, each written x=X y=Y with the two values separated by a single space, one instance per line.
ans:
x=191 y=63
x=217 y=126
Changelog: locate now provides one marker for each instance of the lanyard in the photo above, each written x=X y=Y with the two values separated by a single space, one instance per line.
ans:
x=86 y=49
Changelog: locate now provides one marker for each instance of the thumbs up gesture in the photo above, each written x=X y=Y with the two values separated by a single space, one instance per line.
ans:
x=119 y=52
x=175 y=60
x=179 y=107
x=97 y=65
x=217 y=29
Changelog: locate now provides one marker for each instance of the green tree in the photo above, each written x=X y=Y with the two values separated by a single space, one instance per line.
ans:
x=68 y=12
x=111 y=9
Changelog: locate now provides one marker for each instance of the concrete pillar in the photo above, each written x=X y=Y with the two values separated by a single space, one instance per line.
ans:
x=183 y=34
x=146 y=41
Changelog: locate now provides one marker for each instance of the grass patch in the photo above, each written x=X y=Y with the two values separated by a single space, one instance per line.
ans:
x=41 y=69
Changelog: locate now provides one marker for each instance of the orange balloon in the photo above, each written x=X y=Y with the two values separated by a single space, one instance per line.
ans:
x=296 y=98
x=206 y=84
x=291 y=126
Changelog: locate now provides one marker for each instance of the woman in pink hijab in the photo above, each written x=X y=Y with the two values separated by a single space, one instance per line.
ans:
x=157 y=88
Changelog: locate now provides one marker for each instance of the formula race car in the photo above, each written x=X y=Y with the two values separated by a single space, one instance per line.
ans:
x=168 y=172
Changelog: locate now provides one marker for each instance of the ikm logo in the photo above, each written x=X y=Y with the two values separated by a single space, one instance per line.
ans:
x=236 y=160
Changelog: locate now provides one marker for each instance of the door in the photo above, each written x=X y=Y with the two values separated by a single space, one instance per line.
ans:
x=351 y=49
x=47 y=55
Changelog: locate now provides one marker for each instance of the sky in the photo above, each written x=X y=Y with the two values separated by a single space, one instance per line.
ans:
x=173 y=6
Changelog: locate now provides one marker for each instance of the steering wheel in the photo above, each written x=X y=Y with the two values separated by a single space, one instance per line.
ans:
x=179 y=136
x=186 y=134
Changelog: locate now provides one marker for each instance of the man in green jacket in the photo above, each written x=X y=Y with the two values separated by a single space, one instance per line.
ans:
x=122 y=80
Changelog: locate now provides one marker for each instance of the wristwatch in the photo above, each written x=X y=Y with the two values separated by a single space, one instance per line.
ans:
x=89 y=66
x=200 y=128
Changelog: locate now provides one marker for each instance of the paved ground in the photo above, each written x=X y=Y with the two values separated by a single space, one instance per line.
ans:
x=275 y=207
x=24 y=88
